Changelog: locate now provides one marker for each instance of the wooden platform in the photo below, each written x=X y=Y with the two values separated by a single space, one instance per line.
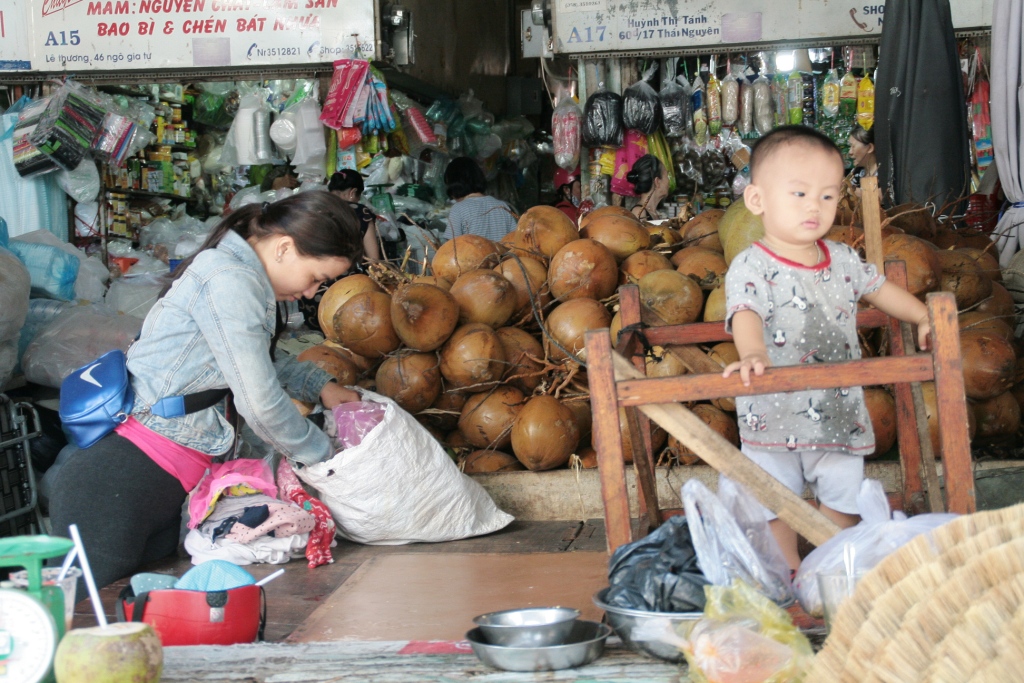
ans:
x=390 y=662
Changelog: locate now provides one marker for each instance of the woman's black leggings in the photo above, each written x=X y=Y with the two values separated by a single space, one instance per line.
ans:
x=127 y=508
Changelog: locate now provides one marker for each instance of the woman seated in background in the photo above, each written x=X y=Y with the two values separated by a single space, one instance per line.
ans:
x=474 y=213
x=862 y=151
x=650 y=180
x=348 y=185
x=567 y=185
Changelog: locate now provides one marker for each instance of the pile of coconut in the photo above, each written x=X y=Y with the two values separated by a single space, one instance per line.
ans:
x=487 y=349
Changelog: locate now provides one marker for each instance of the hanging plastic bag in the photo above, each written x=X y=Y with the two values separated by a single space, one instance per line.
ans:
x=71 y=122
x=659 y=572
x=81 y=184
x=795 y=99
x=866 y=103
x=879 y=534
x=733 y=541
x=346 y=84
x=848 y=96
x=713 y=104
x=746 y=120
x=640 y=107
x=602 y=119
x=673 y=98
x=830 y=90
x=764 y=117
x=700 y=118
x=730 y=100
x=565 y=133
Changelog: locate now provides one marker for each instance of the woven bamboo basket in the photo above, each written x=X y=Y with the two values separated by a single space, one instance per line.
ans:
x=948 y=606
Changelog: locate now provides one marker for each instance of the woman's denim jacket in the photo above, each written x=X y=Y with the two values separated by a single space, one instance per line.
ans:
x=213 y=330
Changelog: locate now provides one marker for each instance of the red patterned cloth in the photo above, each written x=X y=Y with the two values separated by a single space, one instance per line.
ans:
x=318 y=549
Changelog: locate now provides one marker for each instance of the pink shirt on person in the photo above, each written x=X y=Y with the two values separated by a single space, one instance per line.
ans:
x=187 y=465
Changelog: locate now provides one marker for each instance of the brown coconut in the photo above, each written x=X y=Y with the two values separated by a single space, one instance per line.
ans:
x=335 y=297
x=849 y=235
x=544 y=434
x=668 y=297
x=583 y=269
x=924 y=272
x=714 y=307
x=543 y=230
x=487 y=417
x=999 y=304
x=662 y=362
x=913 y=219
x=702 y=230
x=997 y=418
x=367 y=328
x=658 y=437
x=463 y=254
x=641 y=263
x=584 y=417
x=720 y=421
x=473 y=358
x=531 y=287
x=569 y=322
x=413 y=380
x=723 y=354
x=588 y=457
x=445 y=410
x=484 y=296
x=977 y=321
x=882 y=410
x=663 y=236
x=332 y=362
x=603 y=212
x=520 y=349
x=989 y=364
x=423 y=315
x=962 y=276
x=621 y=234
x=487 y=461
x=431 y=280
x=705 y=266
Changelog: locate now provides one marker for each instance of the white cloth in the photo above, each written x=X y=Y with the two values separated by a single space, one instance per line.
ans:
x=1007 y=104
x=265 y=549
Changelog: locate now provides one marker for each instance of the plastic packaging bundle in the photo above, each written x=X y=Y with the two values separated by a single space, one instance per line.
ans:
x=830 y=90
x=866 y=103
x=713 y=104
x=134 y=295
x=15 y=285
x=215 y=104
x=602 y=119
x=53 y=271
x=730 y=100
x=780 y=99
x=310 y=149
x=810 y=98
x=81 y=184
x=70 y=124
x=640 y=107
x=848 y=95
x=689 y=173
x=28 y=160
x=746 y=121
x=764 y=117
x=565 y=133
x=700 y=118
x=355 y=420
x=90 y=282
x=378 y=111
x=673 y=99
x=124 y=132
x=248 y=142
x=346 y=86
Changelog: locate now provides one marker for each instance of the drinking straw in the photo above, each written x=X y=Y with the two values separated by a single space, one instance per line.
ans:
x=267 y=579
x=64 y=568
x=94 y=595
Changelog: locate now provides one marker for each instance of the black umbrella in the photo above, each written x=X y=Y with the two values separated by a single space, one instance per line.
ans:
x=920 y=113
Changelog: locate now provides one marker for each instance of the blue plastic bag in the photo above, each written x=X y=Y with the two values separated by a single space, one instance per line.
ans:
x=53 y=271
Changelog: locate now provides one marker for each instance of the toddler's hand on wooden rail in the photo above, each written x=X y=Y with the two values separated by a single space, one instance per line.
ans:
x=753 y=361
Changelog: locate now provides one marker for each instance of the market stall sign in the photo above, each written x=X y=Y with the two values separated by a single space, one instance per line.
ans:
x=15 y=43
x=82 y=35
x=629 y=25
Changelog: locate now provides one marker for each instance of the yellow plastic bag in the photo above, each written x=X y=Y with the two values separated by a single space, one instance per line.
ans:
x=745 y=638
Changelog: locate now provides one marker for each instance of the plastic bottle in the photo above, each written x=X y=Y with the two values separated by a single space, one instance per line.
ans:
x=795 y=98
x=848 y=96
x=866 y=102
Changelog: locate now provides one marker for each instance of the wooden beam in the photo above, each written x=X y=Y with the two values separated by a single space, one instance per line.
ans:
x=726 y=459
x=712 y=333
x=854 y=373
x=871 y=208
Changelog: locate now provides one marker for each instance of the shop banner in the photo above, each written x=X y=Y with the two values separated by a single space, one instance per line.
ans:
x=15 y=42
x=627 y=25
x=81 y=35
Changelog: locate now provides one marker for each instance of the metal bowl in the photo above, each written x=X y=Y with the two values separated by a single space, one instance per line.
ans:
x=624 y=620
x=529 y=627
x=584 y=644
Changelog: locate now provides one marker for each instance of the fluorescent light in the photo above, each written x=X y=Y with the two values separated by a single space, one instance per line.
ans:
x=784 y=61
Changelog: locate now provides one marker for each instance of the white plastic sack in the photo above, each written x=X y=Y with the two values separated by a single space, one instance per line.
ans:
x=77 y=336
x=15 y=285
x=875 y=538
x=733 y=541
x=399 y=486
x=81 y=184
x=91 y=283
x=134 y=295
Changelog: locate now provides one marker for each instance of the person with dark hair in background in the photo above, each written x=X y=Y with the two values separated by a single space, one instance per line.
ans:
x=214 y=329
x=348 y=185
x=650 y=179
x=862 y=151
x=474 y=213
x=567 y=185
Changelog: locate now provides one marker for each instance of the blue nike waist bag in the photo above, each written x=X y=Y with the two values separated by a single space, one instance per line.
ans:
x=96 y=398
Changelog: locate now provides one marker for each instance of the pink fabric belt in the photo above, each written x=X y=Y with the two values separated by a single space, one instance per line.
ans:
x=187 y=465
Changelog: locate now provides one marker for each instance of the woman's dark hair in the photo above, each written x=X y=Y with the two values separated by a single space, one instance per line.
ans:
x=346 y=179
x=321 y=224
x=864 y=137
x=274 y=174
x=464 y=176
x=644 y=171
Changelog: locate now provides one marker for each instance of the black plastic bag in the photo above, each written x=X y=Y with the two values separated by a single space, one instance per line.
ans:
x=673 y=99
x=602 y=120
x=640 y=108
x=658 y=573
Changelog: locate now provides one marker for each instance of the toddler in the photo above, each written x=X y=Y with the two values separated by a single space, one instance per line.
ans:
x=792 y=298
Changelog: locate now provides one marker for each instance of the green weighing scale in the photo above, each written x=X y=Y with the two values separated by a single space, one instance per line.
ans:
x=32 y=621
